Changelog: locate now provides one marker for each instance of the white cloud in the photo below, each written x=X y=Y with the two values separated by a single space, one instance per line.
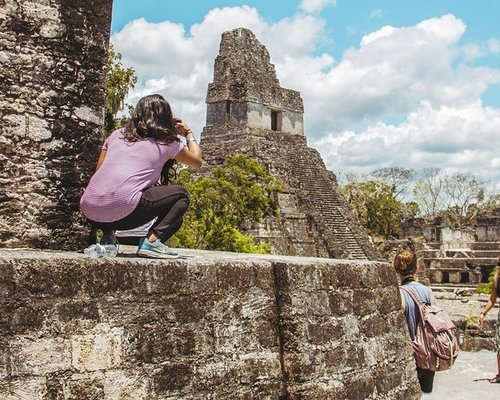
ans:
x=390 y=74
x=315 y=6
x=418 y=76
x=461 y=138
x=494 y=46
x=377 y=13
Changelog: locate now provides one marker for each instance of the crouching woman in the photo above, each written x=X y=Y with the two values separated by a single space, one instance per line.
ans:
x=122 y=194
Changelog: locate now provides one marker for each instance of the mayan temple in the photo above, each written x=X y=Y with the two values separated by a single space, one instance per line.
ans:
x=249 y=112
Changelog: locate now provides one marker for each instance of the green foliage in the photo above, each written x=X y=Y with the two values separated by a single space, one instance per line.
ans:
x=487 y=288
x=231 y=198
x=377 y=207
x=471 y=319
x=119 y=81
x=490 y=203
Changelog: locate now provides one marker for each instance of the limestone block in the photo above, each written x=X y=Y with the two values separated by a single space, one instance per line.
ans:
x=83 y=386
x=14 y=124
x=99 y=350
x=88 y=115
x=24 y=388
x=39 y=357
x=38 y=129
x=126 y=385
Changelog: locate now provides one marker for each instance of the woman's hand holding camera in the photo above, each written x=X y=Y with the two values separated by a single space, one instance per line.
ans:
x=182 y=128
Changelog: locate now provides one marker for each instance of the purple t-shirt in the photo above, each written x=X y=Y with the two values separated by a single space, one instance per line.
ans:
x=128 y=169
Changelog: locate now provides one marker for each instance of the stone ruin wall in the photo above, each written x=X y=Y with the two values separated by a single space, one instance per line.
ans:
x=245 y=85
x=211 y=326
x=455 y=255
x=52 y=57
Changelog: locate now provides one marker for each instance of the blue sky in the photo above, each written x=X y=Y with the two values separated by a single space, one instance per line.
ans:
x=384 y=82
x=348 y=20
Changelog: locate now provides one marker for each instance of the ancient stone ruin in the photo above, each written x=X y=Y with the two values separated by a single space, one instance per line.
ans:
x=248 y=112
x=448 y=254
x=52 y=57
x=211 y=326
x=208 y=325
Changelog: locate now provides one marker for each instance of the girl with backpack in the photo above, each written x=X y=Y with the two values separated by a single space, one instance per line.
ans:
x=495 y=293
x=122 y=194
x=405 y=264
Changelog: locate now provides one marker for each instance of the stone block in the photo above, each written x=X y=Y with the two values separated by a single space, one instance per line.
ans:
x=86 y=386
x=365 y=301
x=99 y=350
x=341 y=303
x=126 y=385
x=25 y=388
x=325 y=332
x=40 y=356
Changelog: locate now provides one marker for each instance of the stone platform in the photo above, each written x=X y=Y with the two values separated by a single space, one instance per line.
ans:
x=210 y=325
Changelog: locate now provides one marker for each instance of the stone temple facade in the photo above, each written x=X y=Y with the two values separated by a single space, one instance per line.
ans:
x=248 y=112
x=52 y=60
x=464 y=255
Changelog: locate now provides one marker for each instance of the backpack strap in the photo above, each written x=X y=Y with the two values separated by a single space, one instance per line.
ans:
x=416 y=298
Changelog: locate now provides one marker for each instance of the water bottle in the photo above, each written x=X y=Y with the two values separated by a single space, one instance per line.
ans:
x=110 y=250
x=95 y=251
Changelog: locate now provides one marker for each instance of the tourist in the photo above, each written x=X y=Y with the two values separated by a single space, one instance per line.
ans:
x=495 y=293
x=122 y=193
x=405 y=264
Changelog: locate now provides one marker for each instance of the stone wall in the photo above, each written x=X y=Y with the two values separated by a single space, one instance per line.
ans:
x=52 y=58
x=488 y=227
x=208 y=326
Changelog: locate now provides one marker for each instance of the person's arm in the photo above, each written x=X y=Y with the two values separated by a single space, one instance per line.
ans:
x=191 y=154
x=491 y=301
x=403 y=303
x=102 y=156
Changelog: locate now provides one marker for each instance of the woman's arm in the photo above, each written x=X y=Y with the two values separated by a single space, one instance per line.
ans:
x=491 y=301
x=403 y=302
x=102 y=156
x=190 y=155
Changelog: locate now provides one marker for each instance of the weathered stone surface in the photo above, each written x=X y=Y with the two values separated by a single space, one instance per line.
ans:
x=208 y=326
x=51 y=110
x=248 y=112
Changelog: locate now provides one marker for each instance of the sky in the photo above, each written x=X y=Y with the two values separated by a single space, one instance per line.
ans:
x=385 y=83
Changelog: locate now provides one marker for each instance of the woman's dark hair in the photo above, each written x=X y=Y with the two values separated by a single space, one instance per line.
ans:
x=151 y=118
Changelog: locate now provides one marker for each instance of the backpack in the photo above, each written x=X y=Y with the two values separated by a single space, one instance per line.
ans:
x=168 y=172
x=435 y=346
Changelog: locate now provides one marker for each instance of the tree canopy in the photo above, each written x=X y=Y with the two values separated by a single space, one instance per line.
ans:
x=119 y=81
x=225 y=203
x=383 y=199
x=377 y=207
